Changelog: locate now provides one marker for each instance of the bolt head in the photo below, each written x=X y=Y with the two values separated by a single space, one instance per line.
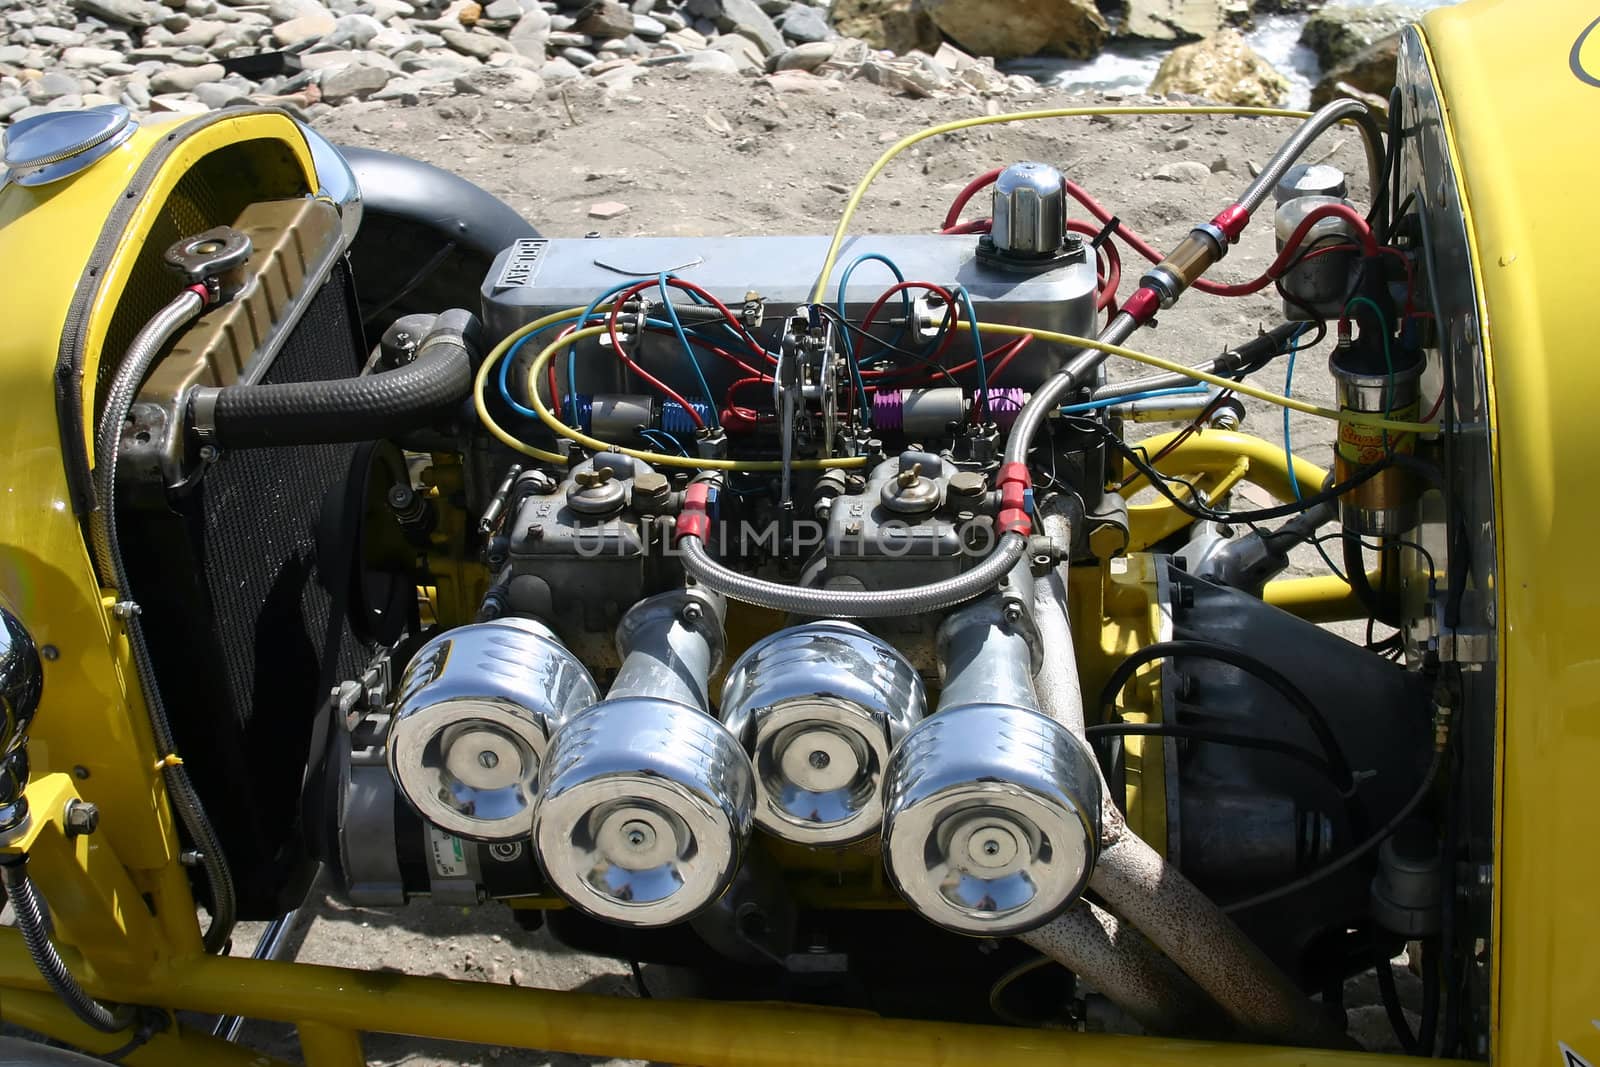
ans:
x=81 y=818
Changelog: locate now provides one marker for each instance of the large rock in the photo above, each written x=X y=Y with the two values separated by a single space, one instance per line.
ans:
x=898 y=25
x=1221 y=68
x=1337 y=34
x=1006 y=29
x=1369 y=71
x=354 y=82
x=745 y=18
x=1182 y=20
x=136 y=13
x=511 y=84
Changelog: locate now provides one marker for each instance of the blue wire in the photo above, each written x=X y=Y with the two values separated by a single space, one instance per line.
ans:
x=688 y=349
x=505 y=365
x=1288 y=386
x=1150 y=394
x=572 y=352
x=977 y=348
x=657 y=436
x=905 y=301
x=505 y=371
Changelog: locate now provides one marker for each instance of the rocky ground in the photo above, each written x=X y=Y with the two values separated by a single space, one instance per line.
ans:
x=311 y=56
x=688 y=156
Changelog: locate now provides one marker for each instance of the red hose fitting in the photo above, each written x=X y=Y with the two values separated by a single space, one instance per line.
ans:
x=1015 y=489
x=1232 y=220
x=1143 y=304
x=695 y=518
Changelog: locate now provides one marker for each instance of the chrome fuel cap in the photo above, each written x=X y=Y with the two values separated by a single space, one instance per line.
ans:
x=59 y=144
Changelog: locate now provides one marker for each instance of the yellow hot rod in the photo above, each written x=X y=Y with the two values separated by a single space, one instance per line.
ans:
x=713 y=602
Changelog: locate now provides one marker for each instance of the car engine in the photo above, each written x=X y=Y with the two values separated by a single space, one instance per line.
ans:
x=826 y=631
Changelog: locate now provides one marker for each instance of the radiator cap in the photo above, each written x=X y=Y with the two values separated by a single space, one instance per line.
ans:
x=59 y=144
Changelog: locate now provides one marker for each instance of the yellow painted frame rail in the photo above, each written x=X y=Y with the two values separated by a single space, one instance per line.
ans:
x=332 y=1004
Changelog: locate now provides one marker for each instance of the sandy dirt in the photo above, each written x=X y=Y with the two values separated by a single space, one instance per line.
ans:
x=697 y=156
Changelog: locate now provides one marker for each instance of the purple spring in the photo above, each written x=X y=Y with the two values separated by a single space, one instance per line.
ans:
x=1004 y=405
x=886 y=413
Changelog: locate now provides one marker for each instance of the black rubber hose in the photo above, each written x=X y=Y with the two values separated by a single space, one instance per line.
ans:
x=1428 y=1032
x=365 y=408
x=31 y=923
x=1391 y=997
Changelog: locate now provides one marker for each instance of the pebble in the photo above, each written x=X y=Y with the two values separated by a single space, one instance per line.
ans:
x=140 y=13
x=302 y=29
x=511 y=84
x=184 y=79
x=1187 y=171
x=607 y=209
x=477 y=45
x=89 y=57
x=559 y=69
x=805 y=24
x=216 y=95
x=52 y=86
x=357 y=81
x=56 y=35
x=709 y=62
x=308 y=56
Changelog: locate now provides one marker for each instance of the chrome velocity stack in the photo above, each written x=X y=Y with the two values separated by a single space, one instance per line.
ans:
x=819 y=708
x=991 y=816
x=474 y=710
x=646 y=799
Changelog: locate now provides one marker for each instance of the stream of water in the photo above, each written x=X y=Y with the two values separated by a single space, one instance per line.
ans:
x=1134 y=66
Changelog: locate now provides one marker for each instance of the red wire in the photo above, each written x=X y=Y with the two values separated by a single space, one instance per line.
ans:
x=1095 y=208
x=952 y=216
x=1016 y=347
x=733 y=320
x=622 y=354
x=937 y=290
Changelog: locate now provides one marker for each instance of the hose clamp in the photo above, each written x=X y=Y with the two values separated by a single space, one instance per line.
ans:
x=1166 y=284
x=1218 y=236
x=203 y=412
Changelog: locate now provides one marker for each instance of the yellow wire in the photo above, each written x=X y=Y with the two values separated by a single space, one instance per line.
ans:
x=481 y=382
x=818 y=295
x=1359 y=418
x=595 y=444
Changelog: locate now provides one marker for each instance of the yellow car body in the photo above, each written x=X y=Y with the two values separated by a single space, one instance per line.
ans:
x=1519 y=89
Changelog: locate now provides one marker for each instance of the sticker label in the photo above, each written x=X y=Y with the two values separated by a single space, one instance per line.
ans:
x=1368 y=444
x=449 y=856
